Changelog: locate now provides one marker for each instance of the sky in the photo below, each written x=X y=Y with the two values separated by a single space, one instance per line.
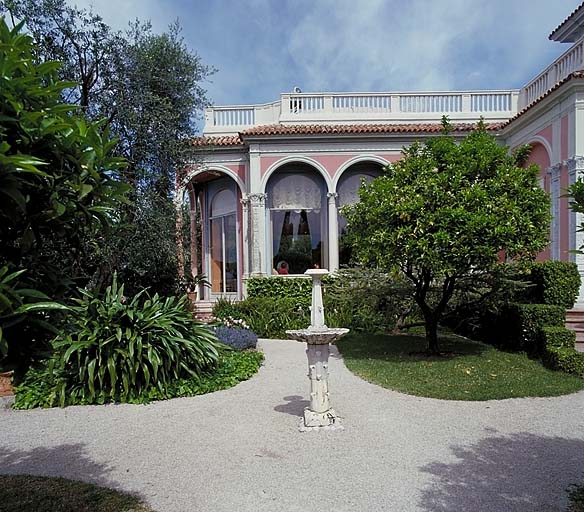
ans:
x=262 y=48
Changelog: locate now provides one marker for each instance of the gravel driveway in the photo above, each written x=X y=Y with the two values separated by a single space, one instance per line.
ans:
x=240 y=450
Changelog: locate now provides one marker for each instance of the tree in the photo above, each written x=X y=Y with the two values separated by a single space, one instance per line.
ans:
x=148 y=88
x=59 y=183
x=445 y=211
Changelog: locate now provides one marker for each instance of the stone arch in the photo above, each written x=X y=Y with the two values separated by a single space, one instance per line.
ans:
x=193 y=173
x=538 y=140
x=292 y=160
x=356 y=160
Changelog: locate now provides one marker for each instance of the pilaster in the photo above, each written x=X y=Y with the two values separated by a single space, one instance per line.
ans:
x=258 y=232
x=576 y=172
x=554 y=172
x=245 y=233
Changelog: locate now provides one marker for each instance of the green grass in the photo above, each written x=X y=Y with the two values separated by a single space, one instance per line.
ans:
x=25 y=493
x=474 y=372
x=576 y=495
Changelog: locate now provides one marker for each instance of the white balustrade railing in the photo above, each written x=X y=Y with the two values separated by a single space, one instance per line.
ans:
x=298 y=108
x=570 y=61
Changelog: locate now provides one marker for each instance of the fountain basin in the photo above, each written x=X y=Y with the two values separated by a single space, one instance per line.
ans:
x=317 y=336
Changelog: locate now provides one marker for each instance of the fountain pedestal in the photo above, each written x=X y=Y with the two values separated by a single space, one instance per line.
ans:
x=318 y=338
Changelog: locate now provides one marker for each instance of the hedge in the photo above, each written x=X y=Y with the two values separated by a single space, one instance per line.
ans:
x=565 y=359
x=557 y=337
x=522 y=324
x=556 y=283
x=298 y=290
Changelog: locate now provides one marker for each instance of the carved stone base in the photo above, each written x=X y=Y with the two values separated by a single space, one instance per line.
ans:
x=319 y=421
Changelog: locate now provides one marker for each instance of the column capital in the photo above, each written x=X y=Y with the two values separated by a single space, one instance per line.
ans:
x=554 y=170
x=245 y=201
x=257 y=199
x=575 y=164
x=332 y=196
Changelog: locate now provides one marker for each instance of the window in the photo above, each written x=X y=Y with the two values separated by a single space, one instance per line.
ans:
x=223 y=242
x=298 y=221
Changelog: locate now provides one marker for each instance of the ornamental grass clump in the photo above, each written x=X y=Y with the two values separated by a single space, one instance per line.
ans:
x=119 y=349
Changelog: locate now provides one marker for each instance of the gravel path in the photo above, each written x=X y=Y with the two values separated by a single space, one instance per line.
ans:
x=239 y=450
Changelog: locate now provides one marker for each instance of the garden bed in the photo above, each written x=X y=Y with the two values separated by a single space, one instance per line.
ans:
x=473 y=371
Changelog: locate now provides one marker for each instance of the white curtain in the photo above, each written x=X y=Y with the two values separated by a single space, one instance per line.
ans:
x=224 y=202
x=295 y=191
x=348 y=188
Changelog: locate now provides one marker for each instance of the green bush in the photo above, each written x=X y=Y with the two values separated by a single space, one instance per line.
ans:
x=556 y=283
x=557 y=337
x=268 y=318
x=565 y=359
x=521 y=325
x=297 y=289
x=38 y=389
x=119 y=348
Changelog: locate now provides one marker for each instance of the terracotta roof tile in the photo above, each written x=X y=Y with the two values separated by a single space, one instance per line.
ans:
x=566 y=20
x=226 y=140
x=328 y=129
x=571 y=76
x=316 y=129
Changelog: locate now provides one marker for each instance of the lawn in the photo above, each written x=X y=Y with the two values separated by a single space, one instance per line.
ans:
x=24 y=493
x=472 y=371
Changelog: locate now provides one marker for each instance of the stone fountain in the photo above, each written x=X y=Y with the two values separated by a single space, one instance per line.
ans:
x=318 y=337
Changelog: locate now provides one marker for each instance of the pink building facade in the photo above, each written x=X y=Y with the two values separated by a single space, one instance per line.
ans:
x=271 y=179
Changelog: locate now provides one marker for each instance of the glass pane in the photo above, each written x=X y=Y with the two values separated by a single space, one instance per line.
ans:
x=217 y=255
x=230 y=254
x=223 y=203
x=297 y=238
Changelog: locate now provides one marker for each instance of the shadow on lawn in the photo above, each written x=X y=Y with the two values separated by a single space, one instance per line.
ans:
x=516 y=473
x=396 y=348
x=67 y=461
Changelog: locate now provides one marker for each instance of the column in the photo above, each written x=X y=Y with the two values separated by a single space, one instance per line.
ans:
x=245 y=233
x=554 y=171
x=333 y=230
x=180 y=255
x=576 y=172
x=258 y=233
x=194 y=233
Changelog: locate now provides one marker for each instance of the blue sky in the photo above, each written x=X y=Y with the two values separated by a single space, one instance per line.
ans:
x=264 y=47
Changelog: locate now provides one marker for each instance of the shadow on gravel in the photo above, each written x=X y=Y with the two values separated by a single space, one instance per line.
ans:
x=516 y=473
x=67 y=461
x=295 y=405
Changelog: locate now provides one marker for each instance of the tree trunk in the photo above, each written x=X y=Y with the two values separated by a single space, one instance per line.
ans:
x=432 y=335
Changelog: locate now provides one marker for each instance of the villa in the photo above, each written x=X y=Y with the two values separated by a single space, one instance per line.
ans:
x=271 y=178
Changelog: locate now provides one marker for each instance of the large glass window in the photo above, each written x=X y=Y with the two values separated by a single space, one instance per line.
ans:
x=298 y=221
x=223 y=243
x=348 y=191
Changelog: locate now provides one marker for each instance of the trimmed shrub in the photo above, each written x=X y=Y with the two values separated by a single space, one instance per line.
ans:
x=565 y=359
x=521 y=325
x=239 y=339
x=120 y=349
x=556 y=283
x=557 y=337
x=297 y=289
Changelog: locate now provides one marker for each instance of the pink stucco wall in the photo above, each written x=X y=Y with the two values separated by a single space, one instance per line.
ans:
x=332 y=163
x=238 y=169
x=540 y=157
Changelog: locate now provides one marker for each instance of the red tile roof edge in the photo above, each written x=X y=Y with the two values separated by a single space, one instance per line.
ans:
x=318 y=129
x=570 y=16
x=571 y=76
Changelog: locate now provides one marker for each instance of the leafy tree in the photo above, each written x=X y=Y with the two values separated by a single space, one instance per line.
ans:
x=444 y=212
x=58 y=184
x=149 y=89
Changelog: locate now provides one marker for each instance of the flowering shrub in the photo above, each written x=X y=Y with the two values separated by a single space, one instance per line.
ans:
x=239 y=339
x=236 y=323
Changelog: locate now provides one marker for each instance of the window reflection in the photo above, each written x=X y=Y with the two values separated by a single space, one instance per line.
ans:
x=297 y=237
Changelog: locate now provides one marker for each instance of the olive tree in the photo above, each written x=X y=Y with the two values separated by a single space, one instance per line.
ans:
x=446 y=211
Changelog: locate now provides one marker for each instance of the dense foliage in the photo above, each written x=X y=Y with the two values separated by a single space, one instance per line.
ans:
x=296 y=289
x=119 y=348
x=59 y=186
x=444 y=212
x=38 y=387
x=555 y=282
x=151 y=110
